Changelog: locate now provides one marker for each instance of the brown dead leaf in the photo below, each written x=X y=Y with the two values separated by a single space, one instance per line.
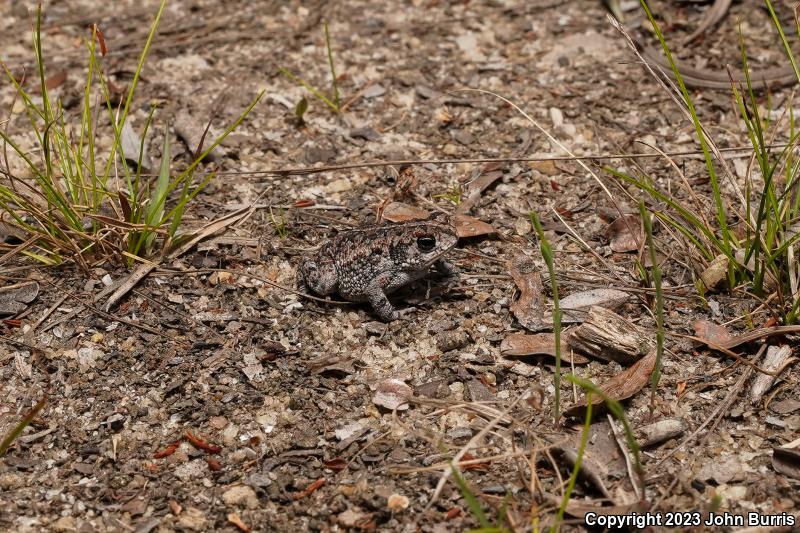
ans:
x=529 y=307
x=488 y=175
x=750 y=336
x=625 y=233
x=467 y=226
x=622 y=386
x=711 y=333
x=400 y=212
x=518 y=344
x=55 y=80
x=392 y=394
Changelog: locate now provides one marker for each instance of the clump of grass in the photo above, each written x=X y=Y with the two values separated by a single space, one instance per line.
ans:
x=453 y=195
x=333 y=102
x=75 y=205
x=279 y=223
x=762 y=258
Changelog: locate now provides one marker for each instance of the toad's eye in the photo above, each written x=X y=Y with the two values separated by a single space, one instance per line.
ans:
x=426 y=243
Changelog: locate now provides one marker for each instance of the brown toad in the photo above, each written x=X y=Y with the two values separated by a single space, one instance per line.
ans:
x=366 y=264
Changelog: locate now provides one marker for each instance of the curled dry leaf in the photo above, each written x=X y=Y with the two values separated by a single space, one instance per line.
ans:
x=471 y=227
x=400 y=212
x=15 y=298
x=787 y=462
x=750 y=336
x=577 y=304
x=518 y=344
x=392 y=394
x=620 y=387
x=487 y=176
x=625 y=233
x=529 y=307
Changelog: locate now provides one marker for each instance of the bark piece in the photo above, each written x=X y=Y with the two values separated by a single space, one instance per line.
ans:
x=576 y=305
x=775 y=360
x=608 y=336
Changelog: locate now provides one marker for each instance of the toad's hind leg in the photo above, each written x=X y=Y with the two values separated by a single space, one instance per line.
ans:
x=319 y=275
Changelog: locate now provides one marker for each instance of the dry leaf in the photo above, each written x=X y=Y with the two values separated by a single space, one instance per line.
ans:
x=400 y=212
x=711 y=333
x=15 y=298
x=625 y=233
x=488 y=175
x=392 y=394
x=750 y=336
x=787 y=462
x=471 y=227
x=55 y=80
x=529 y=307
x=622 y=386
x=518 y=344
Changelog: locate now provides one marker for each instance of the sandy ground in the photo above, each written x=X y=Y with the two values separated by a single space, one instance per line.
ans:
x=287 y=398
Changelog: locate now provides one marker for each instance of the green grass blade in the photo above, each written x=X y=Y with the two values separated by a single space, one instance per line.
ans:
x=17 y=430
x=547 y=255
x=577 y=467
x=659 y=312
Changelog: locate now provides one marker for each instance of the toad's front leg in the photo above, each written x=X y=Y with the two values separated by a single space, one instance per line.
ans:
x=446 y=268
x=380 y=303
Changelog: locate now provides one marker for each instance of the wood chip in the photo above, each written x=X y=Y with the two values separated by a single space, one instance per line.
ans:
x=576 y=305
x=776 y=359
x=608 y=336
